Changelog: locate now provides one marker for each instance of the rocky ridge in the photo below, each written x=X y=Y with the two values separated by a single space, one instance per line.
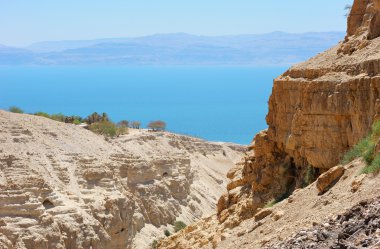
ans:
x=62 y=186
x=318 y=110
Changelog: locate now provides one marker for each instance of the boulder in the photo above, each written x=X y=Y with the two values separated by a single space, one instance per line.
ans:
x=329 y=178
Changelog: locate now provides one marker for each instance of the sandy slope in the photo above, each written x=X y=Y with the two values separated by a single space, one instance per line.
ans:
x=62 y=186
x=270 y=226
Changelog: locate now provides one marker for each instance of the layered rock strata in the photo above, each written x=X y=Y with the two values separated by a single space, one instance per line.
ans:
x=62 y=186
x=318 y=110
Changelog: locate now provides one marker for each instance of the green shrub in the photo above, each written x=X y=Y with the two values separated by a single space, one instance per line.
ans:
x=374 y=167
x=357 y=151
x=376 y=129
x=42 y=114
x=58 y=117
x=366 y=149
x=167 y=233
x=15 y=109
x=77 y=121
x=270 y=203
x=105 y=128
x=179 y=225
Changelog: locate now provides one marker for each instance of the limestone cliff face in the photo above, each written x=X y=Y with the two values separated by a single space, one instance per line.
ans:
x=317 y=111
x=62 y=186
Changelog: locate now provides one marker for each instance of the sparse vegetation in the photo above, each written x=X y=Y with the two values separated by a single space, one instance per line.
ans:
x=310 y=176
x=42 y=114
x=179 y=225
x=157 y=125
x=280 y=198
x=58 y=117
x=100 y=124
x=15 y=109
x=123 y=123
x=366 y=148
x=270 y=203
x=105 y=128
x=136 y=125
x=108 y=129
x=95 y=118
x=167 y=233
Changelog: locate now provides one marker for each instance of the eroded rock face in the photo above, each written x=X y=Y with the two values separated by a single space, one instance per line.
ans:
x=318 y=110
x=62 y=186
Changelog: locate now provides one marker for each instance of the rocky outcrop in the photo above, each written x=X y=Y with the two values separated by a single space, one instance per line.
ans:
x=318 y=110
x=62 y=186
x=329 y=178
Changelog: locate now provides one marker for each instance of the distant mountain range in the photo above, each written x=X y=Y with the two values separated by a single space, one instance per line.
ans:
x=275 y=48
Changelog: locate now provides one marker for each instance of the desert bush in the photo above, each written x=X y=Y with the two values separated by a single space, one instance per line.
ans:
x=93 y=118
x=157 y=125
x=58 y=117
x=136 y=125
x=366 y=149
x=105 y=117
x=179 y=225
x=121 y=130
x=123 y=123
x=167 y=233
x=270 y=203
x=15 y=109
x=42 y=114
x=77 y=121
x=105 y=128
x=374 y=167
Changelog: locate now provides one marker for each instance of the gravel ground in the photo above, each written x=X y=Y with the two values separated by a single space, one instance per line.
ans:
x=358 y=227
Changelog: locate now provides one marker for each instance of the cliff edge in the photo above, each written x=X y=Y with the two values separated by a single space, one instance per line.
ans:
x=318 y=110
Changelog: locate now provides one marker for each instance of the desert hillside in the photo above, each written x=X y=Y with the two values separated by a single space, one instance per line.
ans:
x=318 y=110
x=62 y=186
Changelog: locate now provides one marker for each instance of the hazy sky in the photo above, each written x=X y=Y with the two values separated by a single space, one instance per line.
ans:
x=26 y=21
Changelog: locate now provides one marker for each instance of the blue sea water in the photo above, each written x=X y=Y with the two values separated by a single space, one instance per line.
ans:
x=214 y=103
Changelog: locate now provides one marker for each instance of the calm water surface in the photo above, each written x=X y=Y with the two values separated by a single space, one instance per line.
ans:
x=214 y=103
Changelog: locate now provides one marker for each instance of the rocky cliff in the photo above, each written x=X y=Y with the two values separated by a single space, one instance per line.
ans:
x=62 y=186
x=317 y=111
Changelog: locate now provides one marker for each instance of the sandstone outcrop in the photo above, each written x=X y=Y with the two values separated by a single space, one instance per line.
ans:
x=318 y=110
x=327 y=179
x=62 y=186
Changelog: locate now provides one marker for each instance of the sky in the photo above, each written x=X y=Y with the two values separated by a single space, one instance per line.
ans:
x=23 y=22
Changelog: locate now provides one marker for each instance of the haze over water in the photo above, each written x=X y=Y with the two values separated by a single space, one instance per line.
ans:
x=214 y=103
